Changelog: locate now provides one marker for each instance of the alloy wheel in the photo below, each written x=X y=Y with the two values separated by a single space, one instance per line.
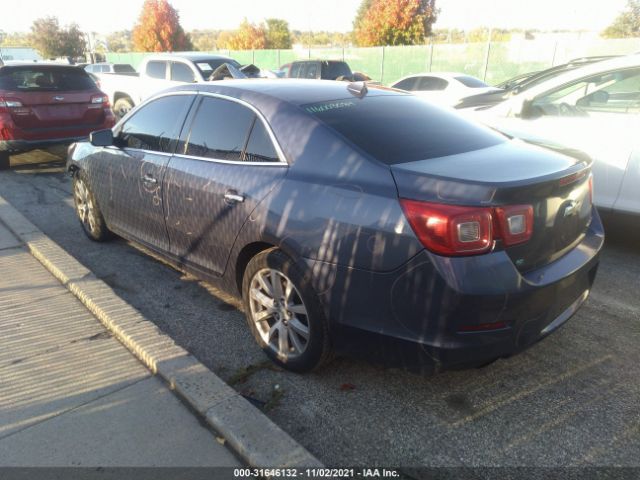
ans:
x=279 y=313
x=84 y=205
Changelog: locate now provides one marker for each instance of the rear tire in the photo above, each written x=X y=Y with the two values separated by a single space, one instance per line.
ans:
x=121 y=107
x=284 y=312
x=88 y=211
x=5 y=161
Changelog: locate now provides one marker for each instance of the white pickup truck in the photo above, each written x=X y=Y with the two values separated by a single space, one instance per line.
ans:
x=156 y=73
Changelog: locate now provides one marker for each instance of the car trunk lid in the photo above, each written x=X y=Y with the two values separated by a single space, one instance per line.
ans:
x=557 y=187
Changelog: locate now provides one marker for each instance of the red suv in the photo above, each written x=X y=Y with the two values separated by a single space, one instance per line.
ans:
x=43 y=105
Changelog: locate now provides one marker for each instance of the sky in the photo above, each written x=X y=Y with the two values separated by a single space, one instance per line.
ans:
x=332 y=15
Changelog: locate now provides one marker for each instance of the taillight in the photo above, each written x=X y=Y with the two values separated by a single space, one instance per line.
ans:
x=13 y=107
x=591 y=189
x=450 y=229
x=99 y=99
x=6 y=104
x=516 y=223
x=454 y=230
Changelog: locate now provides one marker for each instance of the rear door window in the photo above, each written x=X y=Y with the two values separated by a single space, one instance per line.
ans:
x=406 y=84
x=431 y=84
x=296 y=70
x=157 y=69
x=219 y=130
x=156 y=126
x=311 y=70
x=181 y=73
x=333 y=70
x=260 y=147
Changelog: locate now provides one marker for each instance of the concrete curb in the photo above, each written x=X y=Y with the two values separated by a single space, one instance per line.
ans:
x=255 y=438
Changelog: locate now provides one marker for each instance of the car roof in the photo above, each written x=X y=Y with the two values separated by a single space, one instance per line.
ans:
x=39 y=65
x=286 y=90
x=195 y=57
x=318 y=60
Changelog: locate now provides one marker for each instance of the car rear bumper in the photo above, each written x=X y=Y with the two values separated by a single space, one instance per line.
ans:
x=438 y=313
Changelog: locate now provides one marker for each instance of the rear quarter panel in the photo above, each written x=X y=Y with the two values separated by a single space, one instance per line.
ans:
x=335 y=205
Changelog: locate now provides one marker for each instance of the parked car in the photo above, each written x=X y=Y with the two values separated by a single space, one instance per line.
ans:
x=443 y=87
x=522 y=83
x=46 y=104
x=594 y=109
x=119 y=68
x=158 y=72
x=379 y=225
x=320 y=70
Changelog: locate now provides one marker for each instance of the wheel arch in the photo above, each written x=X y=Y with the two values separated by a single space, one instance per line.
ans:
x=244 y=257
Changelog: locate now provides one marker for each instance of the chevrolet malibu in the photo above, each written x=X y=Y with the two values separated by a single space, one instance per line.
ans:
x=349 y=218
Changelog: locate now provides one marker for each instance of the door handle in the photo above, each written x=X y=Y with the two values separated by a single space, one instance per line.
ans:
x=233 y=197
x=149 y=179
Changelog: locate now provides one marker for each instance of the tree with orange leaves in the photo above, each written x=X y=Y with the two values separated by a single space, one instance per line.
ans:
x=158 y=29
x=394 y=22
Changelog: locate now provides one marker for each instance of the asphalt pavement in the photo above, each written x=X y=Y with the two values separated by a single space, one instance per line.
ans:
x=571 y=400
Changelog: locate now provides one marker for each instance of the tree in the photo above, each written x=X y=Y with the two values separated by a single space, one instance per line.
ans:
x=119 y=41
x=394 y=22
x=363 y=9
x=158 y=29
x=204 y=40
x=627 y=24
x=277 y=34
x=224 y=39
x=73 y=42
x=247 y=37
x=16 y=39
x=52 y=41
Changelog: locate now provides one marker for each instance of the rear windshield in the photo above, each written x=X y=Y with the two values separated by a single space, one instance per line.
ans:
x=471 y=82
x=402 y=128
x=30 y=78
x=333 y=70
x=123 y=68
x=207 y=67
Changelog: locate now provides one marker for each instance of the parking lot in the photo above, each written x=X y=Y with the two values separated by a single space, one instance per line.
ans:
x=571 y=400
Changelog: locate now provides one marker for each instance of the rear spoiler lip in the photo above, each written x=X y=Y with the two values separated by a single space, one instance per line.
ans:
x=432 y=187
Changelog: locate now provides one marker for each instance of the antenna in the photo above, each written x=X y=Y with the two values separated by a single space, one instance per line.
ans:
x=358 y=89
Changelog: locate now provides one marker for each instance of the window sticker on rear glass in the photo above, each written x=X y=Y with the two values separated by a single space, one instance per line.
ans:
x=326 y=106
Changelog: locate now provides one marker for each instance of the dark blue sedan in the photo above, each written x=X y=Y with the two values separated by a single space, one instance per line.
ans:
x=350 y=219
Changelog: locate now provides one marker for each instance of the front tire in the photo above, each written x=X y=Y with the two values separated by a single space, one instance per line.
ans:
x=88 y=211
x=284 y=313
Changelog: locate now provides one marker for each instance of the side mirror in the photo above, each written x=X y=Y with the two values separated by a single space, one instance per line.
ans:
x=101 y=138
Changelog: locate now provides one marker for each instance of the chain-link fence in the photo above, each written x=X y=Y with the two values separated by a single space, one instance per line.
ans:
x=494 y=62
